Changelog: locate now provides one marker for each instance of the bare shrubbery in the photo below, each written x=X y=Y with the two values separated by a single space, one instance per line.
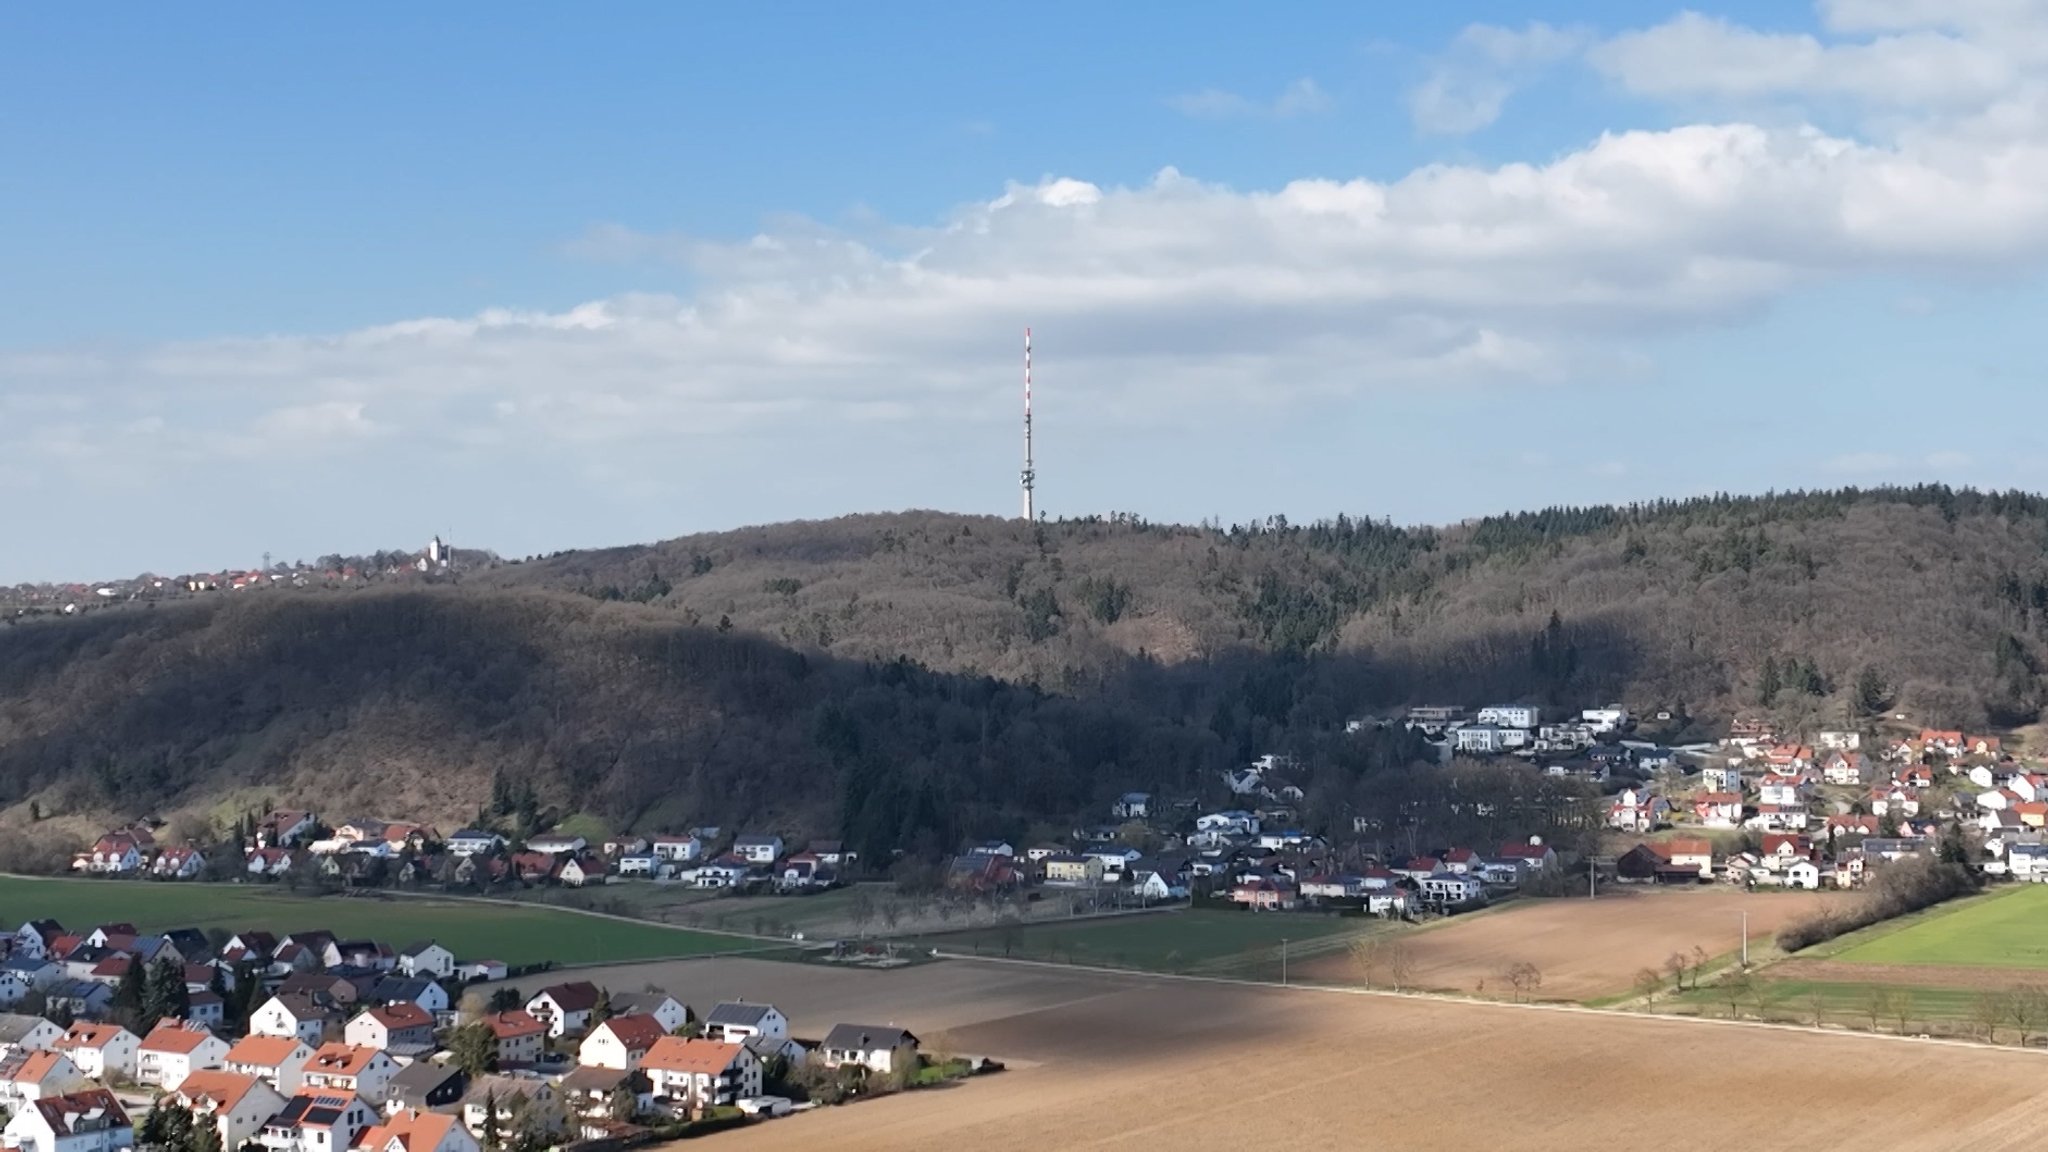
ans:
x=1906 y=886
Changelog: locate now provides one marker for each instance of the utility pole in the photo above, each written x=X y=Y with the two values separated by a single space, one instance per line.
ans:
x=1283 y=961
x=1745 y=939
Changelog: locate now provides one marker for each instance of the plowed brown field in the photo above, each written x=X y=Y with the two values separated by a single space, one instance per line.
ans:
x=1586 y=948
x=1115 y=1062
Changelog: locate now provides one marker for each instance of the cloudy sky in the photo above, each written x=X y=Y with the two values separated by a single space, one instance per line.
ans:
x=307 y=281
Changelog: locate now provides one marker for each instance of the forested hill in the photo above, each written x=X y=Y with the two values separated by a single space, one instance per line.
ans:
x=1931 y=598
x=911 y=679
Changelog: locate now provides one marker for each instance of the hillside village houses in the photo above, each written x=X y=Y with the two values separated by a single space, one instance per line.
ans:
x=310 y=1075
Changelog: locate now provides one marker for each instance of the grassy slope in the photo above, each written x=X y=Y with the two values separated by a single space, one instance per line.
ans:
x=2008 y=930
x=472 y=930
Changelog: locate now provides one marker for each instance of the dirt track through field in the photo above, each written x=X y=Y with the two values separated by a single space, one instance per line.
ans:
x=1113 y=1062
x=1585 y=949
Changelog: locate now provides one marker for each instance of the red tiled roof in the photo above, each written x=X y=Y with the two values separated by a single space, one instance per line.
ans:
x=674 y=1054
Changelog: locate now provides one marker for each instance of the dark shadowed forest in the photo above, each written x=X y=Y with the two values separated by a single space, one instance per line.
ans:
x=906 y=680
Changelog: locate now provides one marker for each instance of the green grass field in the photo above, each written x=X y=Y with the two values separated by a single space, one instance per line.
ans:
x=1943 y=1011
x=474 y=931
x=2009 y=930
x=1204 y=941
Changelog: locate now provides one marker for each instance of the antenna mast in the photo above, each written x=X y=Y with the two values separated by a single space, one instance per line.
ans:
x=1029 y=474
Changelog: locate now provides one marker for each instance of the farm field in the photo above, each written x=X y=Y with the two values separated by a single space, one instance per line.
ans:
x=1206 y=942
x=472 y=930
x=1586 y=949
x=1113 y=1061
x=2008 y=930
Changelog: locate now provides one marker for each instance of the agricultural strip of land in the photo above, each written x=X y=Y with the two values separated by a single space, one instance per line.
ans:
x=473 y=930
x=1115 y=1061
x=1242 y=945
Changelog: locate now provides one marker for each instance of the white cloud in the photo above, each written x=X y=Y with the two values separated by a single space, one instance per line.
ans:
x=1159 y=304
x=1303 y=97
x=1469 y=84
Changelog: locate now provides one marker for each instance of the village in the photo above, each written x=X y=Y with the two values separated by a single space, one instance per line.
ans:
x=116 y=1038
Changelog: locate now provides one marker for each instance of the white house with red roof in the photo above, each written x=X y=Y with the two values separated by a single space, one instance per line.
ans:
x=27 y=1076
x=174 y=1050
x=100 y=1050
x=366 y=1072
x=1532 y=855
x=1718 y=809
x=279 y=1061
x=620 y=1043
x=1638 y=810
x=237 y=1104
x=1462 y=860
x=89 y=1121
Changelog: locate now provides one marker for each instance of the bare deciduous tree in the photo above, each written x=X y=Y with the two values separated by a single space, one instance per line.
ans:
x=1523 y=977
x=1986 y=1012
x=1676 y=965
x=1736 y=987
x=1648 y=983
x=2027 y=1008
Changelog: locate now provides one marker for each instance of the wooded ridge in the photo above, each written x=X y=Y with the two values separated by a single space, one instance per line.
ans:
x=906 y=679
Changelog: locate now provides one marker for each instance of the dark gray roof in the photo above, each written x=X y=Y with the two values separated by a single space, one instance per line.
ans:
x=399 y=988
x=742 y=1014
x=14 y=1026
x=628 y=1003
x=866 y=1038
x=421 y=1077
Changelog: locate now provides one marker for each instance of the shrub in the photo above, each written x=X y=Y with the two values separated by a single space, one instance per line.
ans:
x=1902 y=887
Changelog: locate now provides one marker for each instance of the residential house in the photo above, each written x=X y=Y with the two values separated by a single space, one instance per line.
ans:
x=1896 y=800
x=473 y=842
x=1069 y=869
x=28 y=1075
x=724 y=872
x=317 y=1121
x=1264 y=893
x=174 y=1050
x=293 y=1014
x=102 y=1051
x=1889 y=848
x=1150 y=883
x=88 y=1121
x=702 y=1073
x=565 y=1008
x=521 y=1038
x=1450 y=890
x=284 y=828
x=412 y=1130
x=21 y=975
x=1231 y=822
x=1646 y=864
x=993 y=848
x=1638 y=810
x=1841 y=825
x=235 y=1103
x=1784 y=793
x=472 y=971
x=1718 y=809
x=116 y=854
x=671 y=1012
x=31 y=1032
x=1780 y=817
x=1722 y=778
x=401 y=1029
x=1532 y=855
x=875 y=1048
x=507 y=1096
x=1510 y=715
x=577 y=871
x=620 y=1043
x=88 y=999
x=1802 y=874
x=1783 y=848
x=349 y=1068
x=803 y=872
x=268 y=863
x=1845 y=768
x=428 y=994
x=279 y=1061
x=676 y=849
x=181 y=863
x=980 y=872
x=2027 y=862
x=557 y=845
x=765 y=849
x=735 y=1021
x=1132 y=806
x=638 y=864
x=428 y=961
x=206 y=1008
x=1694 y=855
x=427 y=1086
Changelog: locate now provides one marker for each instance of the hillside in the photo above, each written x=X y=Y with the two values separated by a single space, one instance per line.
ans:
x=910 y=679
x=1930 y=599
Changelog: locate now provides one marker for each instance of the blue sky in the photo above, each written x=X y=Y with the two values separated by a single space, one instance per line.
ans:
x=302 y=282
